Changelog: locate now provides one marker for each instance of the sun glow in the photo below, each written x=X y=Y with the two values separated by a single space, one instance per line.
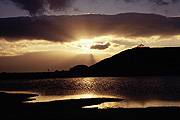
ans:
x=85 y=45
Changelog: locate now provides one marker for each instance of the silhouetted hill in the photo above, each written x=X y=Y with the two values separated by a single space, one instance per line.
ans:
x=140 y=61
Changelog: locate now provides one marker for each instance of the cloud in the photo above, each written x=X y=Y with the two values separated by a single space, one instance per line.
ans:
x=101 y=46
x=36 y=7
x=126 y=43
x=71 y=28
x=163 y=2
x=39 y=7
x=157 y=2
x=33 y=28
x=129 y=1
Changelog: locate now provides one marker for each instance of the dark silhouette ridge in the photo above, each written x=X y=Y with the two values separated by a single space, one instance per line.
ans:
x=79 y=70
x=138 y=61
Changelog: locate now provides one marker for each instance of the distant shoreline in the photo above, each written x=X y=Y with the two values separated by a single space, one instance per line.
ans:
x=54 y=75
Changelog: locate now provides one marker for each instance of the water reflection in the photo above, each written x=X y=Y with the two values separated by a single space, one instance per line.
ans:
x=68 y=97
x=136 y=104
x=137 y=91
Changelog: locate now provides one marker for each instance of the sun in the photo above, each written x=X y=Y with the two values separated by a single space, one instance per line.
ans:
x=85 y=45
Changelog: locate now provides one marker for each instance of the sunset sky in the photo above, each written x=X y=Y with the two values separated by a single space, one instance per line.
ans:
x=37 y=35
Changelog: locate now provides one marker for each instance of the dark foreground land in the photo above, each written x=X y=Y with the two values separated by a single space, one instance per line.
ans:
x=13 y=106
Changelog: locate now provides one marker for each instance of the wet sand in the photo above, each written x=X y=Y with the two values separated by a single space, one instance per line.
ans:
x=15 y=106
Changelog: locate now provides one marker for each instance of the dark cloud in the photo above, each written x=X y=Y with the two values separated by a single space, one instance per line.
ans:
x=129 y=1
x=161 y=2
x=76 y=10
x=157 y=2
x=36 y=7
x=69 y=28
x=164 y=2
x=101 y=46
x=46 y=28
x=59 y=4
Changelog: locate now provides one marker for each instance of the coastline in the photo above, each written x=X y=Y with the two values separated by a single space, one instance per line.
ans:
x=14 y=107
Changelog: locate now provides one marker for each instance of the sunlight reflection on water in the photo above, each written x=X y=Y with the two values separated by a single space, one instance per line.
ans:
x=69 y=97
x=136 y=104
x=136 y=91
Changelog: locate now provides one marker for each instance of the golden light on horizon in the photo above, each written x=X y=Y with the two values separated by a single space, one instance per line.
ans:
x=83 y=45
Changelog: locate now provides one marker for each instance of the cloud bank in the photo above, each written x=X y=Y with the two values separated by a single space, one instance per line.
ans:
x=71 y=28
x=37 y=7
x=157 y=2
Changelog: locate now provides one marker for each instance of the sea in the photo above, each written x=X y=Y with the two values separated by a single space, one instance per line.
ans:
x=135 y=92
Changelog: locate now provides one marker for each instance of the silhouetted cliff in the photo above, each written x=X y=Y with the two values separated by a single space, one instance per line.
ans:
x=140 y=61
